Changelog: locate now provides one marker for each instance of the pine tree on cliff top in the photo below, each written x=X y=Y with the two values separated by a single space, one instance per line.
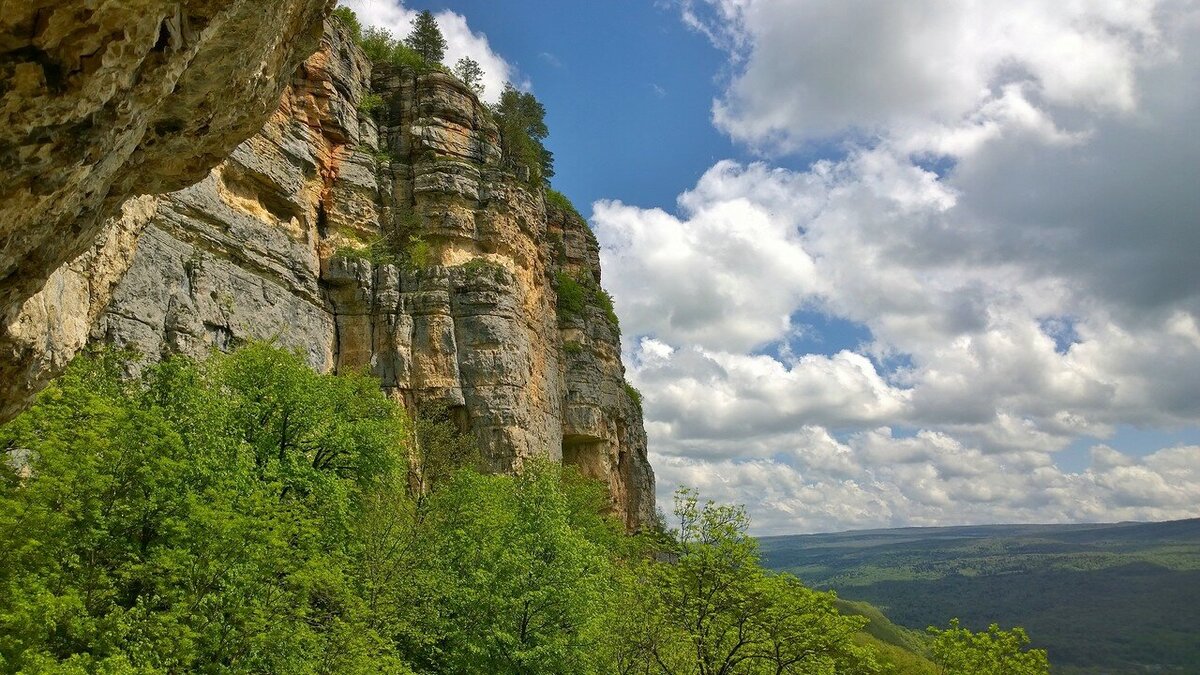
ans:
x=426 y=38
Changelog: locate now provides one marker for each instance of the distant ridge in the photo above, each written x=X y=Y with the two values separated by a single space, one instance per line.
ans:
x=1121 y=597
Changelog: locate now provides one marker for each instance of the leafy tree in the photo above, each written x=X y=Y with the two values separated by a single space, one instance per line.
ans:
x=350 y=20
x=997 y=652
x=717 y=611
x=426 y=38
x=522 y=120
x=381 y=46
x=192 y=520
x=469 y=71
x=442 y=448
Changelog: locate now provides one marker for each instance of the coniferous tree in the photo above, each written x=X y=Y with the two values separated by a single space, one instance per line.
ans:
x=426 y=38
x=523 y=128
x=468 y=70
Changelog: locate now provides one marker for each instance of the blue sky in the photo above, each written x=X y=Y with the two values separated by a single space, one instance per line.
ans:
x=627 y=89
x=884 y=263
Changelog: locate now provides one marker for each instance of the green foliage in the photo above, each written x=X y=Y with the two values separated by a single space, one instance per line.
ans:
x=419 y=252
x=604 y=301
x=572 y=347
x=426 y=38
x=370 y=103
x=715 y=610
x=572 y=297
x=484 y=268
x=442 y=447
x=193 y=519
x=634 y=395
x=382 y=47
x=350 y=20
x=959 y=651
x=575 y=293
x=377 y=251
x=522 y=121
x=469 y=71
x=557 y=200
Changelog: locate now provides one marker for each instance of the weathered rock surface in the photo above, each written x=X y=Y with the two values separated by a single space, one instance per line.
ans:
x=395 y=242
x=103 y=100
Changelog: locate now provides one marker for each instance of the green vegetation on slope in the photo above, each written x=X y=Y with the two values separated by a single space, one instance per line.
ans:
x=1124 y=598
x=248 y=515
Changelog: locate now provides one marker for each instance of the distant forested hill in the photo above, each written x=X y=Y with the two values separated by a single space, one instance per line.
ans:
x=1113 y=598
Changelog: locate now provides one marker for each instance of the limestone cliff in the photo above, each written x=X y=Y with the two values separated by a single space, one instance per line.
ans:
x=395 y=240
x=103 y=100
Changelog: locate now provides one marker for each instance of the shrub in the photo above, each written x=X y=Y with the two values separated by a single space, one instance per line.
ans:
x=370 y=103
x=557 y=200
x=575 y=293
x=605 y=302
x=350 y=20
x=420 y=253
x=634 y=395
x=571 y=297
x=572 y=347
x=377 y=251
x=479 y=267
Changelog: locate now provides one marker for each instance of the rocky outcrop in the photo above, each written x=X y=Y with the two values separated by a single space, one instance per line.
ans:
x=373 y=225
x=103 y=100
x=602 y=425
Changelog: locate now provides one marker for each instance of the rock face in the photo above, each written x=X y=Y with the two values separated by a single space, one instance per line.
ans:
x=394 y=241
x=103 y=100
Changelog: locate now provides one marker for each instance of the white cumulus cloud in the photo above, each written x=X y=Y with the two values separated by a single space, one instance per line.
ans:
x=1012 y=214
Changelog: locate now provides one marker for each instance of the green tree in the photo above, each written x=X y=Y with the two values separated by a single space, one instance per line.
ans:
x=194 y=519
x=350 y=20
x=426 y=38
x=469 y=71
x=995 y=652
x=712 y=609
x=522 y=120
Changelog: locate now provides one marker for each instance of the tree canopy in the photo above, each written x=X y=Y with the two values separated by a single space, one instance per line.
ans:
x=426 y=38
x=522 y=120
x=469 y=71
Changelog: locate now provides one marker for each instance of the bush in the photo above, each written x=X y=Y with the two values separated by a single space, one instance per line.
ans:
x=419 y=253
x=378 y=251
x=350 y=20
x=195 y=519
x=382 y=47
x=571 y=297
x=572 y=347
x=575 y=293
x=557 y=200
x=370 y=103
x=480 y=267
x=634 y=395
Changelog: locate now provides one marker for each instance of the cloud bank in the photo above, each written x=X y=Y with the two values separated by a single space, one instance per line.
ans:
x=1010 y=210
